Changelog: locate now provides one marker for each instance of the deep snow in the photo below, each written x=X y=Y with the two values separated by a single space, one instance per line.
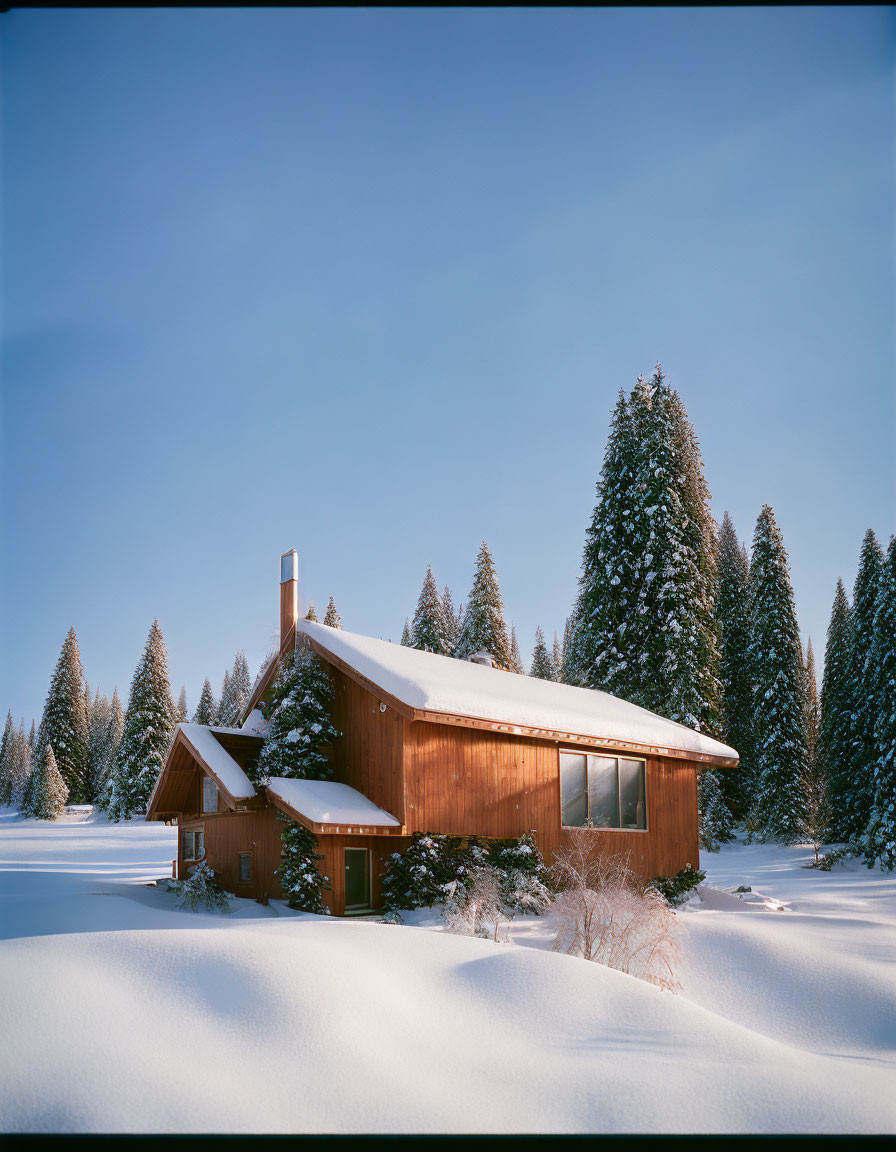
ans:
x=130 y=1015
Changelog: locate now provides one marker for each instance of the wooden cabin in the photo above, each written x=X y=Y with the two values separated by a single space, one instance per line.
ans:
x=437 y=745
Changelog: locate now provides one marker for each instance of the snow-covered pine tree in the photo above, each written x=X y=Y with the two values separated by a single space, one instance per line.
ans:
x=20 y=767
x=775 y=660
x=835 y=728
x=64 y=721
x=863 y=749
x=331 y=617
x=810 y=706
x=49 y=792
x=180 y=709
x=113 y=742
x=299 y=875
x=428 y=630
x=311 y=614
x=879 y=840
x=240 y=685
x=224 y=710
x=6 y=745
x=406 y=634
x=207 y=708
x=451 y=620
x=98 y=720
x=301 y=725
x=516 y=663
x=483 y=625
x=568 y=673
x=732 y=612
x=31 y=737
x=715 y=816
x=557 y=659
x=147 y=731
x=541 y=669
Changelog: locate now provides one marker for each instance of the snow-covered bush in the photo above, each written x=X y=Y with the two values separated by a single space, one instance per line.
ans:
x=298 y=872
x=476 y=907
x=676 y=889
x=527 y=883
x=415 y=878
x=201 y=888
x=604 y=914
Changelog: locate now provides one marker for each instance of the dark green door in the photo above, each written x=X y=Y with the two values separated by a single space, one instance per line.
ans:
x=357 y=878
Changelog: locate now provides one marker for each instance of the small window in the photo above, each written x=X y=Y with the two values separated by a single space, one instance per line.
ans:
x=209 y=795
x=194 y=844
x=602 y=791
x=245 y=867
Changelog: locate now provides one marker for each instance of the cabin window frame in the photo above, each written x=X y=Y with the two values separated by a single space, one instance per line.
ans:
x=602 y=754
x=206 y=782
x=240 y=857
x=193 y=832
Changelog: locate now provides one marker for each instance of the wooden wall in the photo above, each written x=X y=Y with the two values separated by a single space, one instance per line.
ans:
x=333 y=863
x=368 y=755
x=470 y=781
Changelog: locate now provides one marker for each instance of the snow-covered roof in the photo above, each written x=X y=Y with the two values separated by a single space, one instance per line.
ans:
x=440 y=684
x=200 y=738
x=255 y=724
x=326 y=802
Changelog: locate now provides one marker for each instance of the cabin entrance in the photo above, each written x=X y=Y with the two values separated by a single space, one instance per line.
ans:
x=357 y=879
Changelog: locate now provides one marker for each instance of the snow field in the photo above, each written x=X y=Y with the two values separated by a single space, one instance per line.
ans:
x=132 y=1016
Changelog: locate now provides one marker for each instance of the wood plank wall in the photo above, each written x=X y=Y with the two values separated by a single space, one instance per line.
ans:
x=368 y=755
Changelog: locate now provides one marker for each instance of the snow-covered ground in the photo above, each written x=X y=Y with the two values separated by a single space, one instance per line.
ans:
x=126 y=1014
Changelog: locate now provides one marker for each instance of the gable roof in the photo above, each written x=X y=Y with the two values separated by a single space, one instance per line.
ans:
x=200 y=744
x=424 y=686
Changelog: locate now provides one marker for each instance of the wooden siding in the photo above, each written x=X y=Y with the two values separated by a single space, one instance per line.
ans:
x=332 y=848
x=368 y=754
x=465 y=781
x=227 y=834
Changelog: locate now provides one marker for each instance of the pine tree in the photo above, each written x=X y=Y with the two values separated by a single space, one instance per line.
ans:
x=406 y=635
x=311 y=614
x=224 y=711
x=715 y=816
x=207 y=708
x=569 y=672
x=775 y=661
x=114 y=733
x=147 y=731
x=516 y=663
x=879 y=840
x=732 y=612
x=541 y=660
x=31 y=737
x=483 y=626
x=556 y=659
x=6 y=747
x=428 y=630
x=835 y=728
x=240 y=685
x=64 y=722
x=298 y=872
x=863 y=750
x=811 y=714
x=180 y=712
x=49 y=792
x=99 y=718
x=20 y=767
x=646 y=608
x=331 y=617
x=451 y=620
x=301 y=728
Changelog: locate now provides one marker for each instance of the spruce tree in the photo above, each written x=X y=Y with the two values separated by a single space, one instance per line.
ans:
x=224 y=710
x=240 y=685
x=301 y=726
x=147 y=731
x=775 y=660
x=516 y=663
x=180 y=711
x=114 y=733
x=19 y=768
x=732 y=612
x=556 y=659
x=811 y=714
x=64 y=721
x=483 y=626
x=541 y=661
x=331 y=617
x=406 y=634
x=646 y=607
x=568 y=672
x=98 y=722
x=31 y=736
x=207 y=709
x=879 y=840
x=715 y=816
x=835 y=728
x=451 y=621
x=6 y=746
x=298 y=872
x=428 y=630
x=863 y=749
x=311 y=614
x=49 y=792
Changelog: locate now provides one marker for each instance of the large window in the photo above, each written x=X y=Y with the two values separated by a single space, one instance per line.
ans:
x=209 y=795
x=602 y=791
x=194 y=844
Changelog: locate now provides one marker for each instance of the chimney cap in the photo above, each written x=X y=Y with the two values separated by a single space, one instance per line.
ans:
x=289 y=566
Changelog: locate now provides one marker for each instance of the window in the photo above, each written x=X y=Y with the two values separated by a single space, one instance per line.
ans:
x=209 y=795
x=601 y=791
x=245 y=867
x=194 y=844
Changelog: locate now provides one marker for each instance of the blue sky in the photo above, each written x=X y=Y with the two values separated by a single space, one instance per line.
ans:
x=366 y=283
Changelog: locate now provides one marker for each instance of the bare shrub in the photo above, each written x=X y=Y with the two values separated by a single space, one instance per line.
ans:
x=477 y=907
x=604 y=913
